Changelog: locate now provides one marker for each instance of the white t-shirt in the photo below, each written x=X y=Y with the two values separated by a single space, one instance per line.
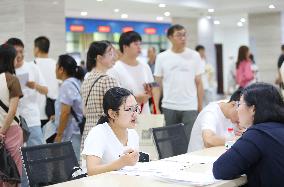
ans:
x=132 y=78
x=178 y=71
x=47 y=67
x=103 y=143
x=210 y=118
x=28 y=106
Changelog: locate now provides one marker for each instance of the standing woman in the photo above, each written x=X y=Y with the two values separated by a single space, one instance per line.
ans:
x=10 y=94
x=69 y=99
x=100 y=58
x=259 y=152
x=244 y=74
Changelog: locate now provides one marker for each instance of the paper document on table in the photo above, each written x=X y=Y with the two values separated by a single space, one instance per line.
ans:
x=23 y=78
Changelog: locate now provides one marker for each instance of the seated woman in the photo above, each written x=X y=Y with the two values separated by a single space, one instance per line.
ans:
x=259 y=152
x=113 y=143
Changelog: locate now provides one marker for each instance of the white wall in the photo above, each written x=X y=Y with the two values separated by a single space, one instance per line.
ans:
x=231 y=38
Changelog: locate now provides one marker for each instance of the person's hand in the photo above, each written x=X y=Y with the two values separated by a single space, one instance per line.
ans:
x=239 y=130
x=147 y=88
x=129 y=157
x=142 y=98
x=31 y=84
x=158 y=110
x=58 y=138
x=2 y=135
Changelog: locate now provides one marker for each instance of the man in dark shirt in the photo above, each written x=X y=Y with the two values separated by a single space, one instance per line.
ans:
x=279 y=80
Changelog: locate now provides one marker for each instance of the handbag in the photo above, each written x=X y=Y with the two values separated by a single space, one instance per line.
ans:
x=8 y=169
x=21 y=121
x=81 y=123
x=49 y=107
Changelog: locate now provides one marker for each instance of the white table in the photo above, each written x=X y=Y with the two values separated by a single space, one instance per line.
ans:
x=118 y=180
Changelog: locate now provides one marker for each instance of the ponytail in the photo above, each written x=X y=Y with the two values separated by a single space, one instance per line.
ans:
x=103 y=119
x=79 y=73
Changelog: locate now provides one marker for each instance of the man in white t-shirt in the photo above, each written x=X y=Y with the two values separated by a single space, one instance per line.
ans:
x=211 y=125
x=179 y=72
x=130 y=73
x=47 y=67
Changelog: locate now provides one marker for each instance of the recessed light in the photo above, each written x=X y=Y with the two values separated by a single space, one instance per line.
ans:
x=217 y=22
x=167 y=14
x=159 y=18
x=240 y=24
x=243 y=20
x=116 y=10
x=209 y=17
x=84 y=13
x=271 y=6
x=124 y=16
x=211 y=10
x=55 y=2
x=99 y=0
x=161 y=5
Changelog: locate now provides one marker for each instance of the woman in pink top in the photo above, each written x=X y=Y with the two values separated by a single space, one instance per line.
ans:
x=244 y=75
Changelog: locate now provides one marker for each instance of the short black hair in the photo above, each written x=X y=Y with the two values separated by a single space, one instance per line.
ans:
x=7 y=56
x=199 y=47
x=236 y=95
x=173 y=28
x=282 y=47
x=15 y=42
x=42 y=43
x=127 y=38
x=267 y=100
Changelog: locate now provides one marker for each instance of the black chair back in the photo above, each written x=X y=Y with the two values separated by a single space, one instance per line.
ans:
x=170 y=140
x=49 y=163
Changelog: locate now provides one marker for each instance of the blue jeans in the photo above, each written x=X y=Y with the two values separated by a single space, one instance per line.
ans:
x=35 y=138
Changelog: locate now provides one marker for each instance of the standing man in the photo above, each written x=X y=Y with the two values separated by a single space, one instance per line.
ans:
x=151 y=54
x=178 y=71
x=130 y=73
x=47 y=67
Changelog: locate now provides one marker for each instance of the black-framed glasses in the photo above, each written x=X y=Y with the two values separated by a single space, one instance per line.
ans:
x=133 y=109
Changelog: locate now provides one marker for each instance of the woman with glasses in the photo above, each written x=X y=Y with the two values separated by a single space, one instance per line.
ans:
x=259 y=152
x=100 y=58
x=113 y=143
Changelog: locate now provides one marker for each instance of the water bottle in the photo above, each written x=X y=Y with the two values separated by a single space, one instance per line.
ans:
x=230 y=138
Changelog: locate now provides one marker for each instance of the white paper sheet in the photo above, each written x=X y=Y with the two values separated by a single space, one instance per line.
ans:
x=23 y=78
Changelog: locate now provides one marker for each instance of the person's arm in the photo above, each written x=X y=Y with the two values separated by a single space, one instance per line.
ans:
x=210 y=139
x=63 y=120
x=94 y=166
x=10 y=116
x=39 y=88
x=157 y=93
x=200 y=91
x=238 y=159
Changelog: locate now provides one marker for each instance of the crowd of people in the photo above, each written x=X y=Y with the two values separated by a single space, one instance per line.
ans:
x=98 y=111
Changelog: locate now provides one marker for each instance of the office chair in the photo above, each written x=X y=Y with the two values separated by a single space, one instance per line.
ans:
x=170 y=140
x=49 y=163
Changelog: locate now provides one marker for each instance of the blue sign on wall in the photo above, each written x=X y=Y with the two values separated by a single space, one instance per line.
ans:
x=92 y=25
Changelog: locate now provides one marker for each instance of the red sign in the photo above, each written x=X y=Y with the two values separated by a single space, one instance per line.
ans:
x=104 y=28
x=77 y=28
x=150 y=30
x=126 y=29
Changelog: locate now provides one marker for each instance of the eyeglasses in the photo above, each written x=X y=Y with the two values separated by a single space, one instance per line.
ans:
x=133 y=109
x=238 y=103
x=180 y=35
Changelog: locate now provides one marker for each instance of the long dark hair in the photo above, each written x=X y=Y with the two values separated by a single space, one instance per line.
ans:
x=267 y=100
x=242 y=55
x=7 y=57
x=113 y=99
x=70 y=67
x=95 y=49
